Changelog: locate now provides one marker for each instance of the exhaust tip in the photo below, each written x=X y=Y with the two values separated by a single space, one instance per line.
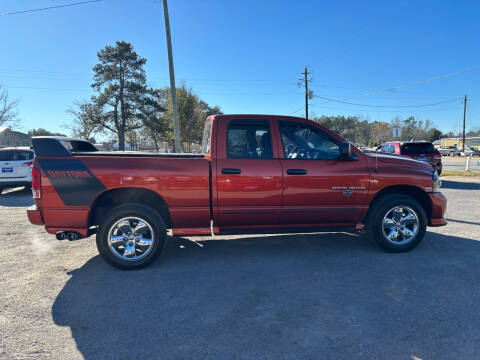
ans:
x=60 y=235
x=71 y=236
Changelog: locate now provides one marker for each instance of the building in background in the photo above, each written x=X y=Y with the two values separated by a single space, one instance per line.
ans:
x=472 y=142
x=10 y=137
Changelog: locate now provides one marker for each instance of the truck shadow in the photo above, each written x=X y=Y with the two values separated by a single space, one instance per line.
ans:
x=295 y=296
x=460 y=185
x=17 y=197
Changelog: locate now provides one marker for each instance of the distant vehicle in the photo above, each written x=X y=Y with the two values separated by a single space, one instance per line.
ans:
x=15 y=165
x=418 y=150
x=445 y=150
x=470 y=152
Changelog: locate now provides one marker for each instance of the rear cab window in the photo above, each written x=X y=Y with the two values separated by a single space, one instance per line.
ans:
x=206 y=137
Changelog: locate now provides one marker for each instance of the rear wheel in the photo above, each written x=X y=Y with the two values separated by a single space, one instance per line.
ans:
x=398 y=223
x=131 y=237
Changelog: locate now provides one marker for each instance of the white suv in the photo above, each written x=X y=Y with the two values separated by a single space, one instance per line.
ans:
x=15 y=167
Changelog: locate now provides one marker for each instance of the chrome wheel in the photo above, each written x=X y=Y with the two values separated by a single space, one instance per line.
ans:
x=131 y=238
x=400 y=225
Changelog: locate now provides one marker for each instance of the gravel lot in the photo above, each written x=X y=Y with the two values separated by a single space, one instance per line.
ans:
x=329 y=296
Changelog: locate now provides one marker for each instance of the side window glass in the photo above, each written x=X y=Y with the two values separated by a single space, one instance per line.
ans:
x=302 y=142
x=391 y=148
x=249 y=141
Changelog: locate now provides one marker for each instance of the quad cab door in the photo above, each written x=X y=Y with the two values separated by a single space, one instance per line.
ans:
x=319 y=186
x=249 y=176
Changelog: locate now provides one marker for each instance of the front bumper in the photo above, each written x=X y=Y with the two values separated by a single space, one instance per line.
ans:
x=439 y=206
x=34 y=215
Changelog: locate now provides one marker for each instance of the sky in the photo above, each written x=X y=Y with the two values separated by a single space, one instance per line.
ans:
x=247 y=56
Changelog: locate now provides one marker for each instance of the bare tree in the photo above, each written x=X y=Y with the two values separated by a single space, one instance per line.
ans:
x=8 y=109
x=87 y=119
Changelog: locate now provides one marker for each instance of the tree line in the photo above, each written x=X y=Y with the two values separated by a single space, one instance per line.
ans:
x=373 y=133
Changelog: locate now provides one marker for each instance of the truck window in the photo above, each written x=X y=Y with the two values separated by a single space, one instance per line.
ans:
x=206 y=138
x=249 y=141
x=303 y=142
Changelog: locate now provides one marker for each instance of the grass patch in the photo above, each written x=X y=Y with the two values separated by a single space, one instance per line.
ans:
x=459 y=173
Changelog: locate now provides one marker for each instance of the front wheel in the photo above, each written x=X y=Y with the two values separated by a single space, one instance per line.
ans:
x=398 y=223
x=131 y=237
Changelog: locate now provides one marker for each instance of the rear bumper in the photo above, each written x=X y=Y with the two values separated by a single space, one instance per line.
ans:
x=34 y=215
x=9 y=183
x=439 y=206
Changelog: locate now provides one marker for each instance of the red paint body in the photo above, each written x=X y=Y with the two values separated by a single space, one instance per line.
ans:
x=262 y=196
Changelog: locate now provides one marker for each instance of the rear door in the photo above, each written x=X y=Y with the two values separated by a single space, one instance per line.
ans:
x=249 y=177
x=318 y=186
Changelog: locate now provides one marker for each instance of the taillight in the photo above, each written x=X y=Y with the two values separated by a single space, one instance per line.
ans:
x=28 y=163
x=437 y=156
x=36 y=183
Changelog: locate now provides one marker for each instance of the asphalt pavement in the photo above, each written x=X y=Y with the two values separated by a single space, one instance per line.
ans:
x=315 y=296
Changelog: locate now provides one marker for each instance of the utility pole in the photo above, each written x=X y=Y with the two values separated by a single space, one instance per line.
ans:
x=308 y=94
x=464 y=113
x=173 y=90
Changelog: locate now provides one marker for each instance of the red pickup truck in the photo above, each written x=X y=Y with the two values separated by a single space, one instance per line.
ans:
x=256 y=172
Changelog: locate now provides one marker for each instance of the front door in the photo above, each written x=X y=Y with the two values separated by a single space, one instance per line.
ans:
x=249 y=179
x=318 y=186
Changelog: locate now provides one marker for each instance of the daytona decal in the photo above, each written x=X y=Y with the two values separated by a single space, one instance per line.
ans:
x=73 y=181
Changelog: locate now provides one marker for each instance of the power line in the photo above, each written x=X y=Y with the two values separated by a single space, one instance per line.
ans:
x=414 y=83
x=49 y=8
x=386 y=106
x=303 y=107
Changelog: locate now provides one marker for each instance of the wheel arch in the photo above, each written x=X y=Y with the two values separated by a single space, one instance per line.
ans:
x=124 y=195
x=408 y=190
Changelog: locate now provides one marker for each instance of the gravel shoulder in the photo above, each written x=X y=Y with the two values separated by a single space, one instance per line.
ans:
x=329 y=295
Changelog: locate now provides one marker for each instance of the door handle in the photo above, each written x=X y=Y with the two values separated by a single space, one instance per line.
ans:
x=296 y=172
x=231 y=171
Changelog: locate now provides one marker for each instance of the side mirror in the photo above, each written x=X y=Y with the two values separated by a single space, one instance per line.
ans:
x=345 y=150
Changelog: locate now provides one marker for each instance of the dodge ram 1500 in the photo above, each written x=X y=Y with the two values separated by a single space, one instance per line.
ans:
x=255 y=173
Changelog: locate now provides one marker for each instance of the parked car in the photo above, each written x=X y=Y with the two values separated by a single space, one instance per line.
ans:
x=255 y=173
x=15 y=165
x=418 y=150
x=445 y=150
x=470 y=151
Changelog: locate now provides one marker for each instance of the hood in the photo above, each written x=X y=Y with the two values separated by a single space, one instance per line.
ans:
x=398 y=159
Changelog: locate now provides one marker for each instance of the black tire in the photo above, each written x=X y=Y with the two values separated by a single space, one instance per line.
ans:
x=382 y=208
x=136 y=211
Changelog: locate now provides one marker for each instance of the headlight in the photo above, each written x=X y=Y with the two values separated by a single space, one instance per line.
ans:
x=436 y=182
